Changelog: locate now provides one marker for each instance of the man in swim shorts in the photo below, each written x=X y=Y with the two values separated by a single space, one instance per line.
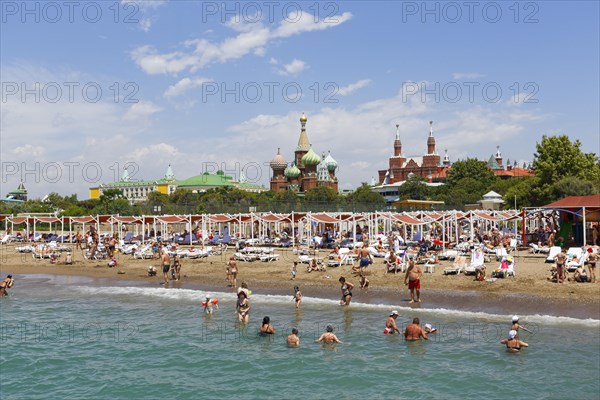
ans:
x=166 y=265
x=561 y=260
x=412 y=279
x=390 y=324
x=365 y=258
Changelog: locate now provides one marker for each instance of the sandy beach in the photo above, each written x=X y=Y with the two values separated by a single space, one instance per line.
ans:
x=529 y=291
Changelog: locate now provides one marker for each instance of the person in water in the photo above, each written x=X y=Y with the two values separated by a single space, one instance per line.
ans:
x=7 y=283
x=266 y=328
x=414 y=331
x=328 y=336
x=513 y=344
x=390 y=324
x=293 y=340
x=243 y=307
x=346 y=291
x=297 y=296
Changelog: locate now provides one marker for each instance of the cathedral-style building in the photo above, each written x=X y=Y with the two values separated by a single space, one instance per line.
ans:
x=434 y=169
x=307 y=171
x=426 y=166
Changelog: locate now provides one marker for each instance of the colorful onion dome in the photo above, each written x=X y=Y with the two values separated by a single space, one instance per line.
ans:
x=330 y=163
x=292 y=172
x=311 y=158
x=278 y=162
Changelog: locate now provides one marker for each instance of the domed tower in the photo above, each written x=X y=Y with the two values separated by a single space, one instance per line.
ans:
x=323 y=172
x=331 y=165
x=278 y=165
x=310 y=160
x=431 y=159
x=292 y=173
x=303 y=143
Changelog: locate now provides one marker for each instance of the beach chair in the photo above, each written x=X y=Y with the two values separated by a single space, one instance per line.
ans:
x=375 y=253
x=477 y=261
x=554 y=250
x=128 y=237
x=577 y=258
x=501 y=253
x=448 y=255
x=269 y=257
x=144 y=253
x=535 y=249
x=5 y=239
x=245 y=257
x=460 y=263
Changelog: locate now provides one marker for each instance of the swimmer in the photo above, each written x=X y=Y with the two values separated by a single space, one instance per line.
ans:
x=414 y=331
x=266 y=328
x=7 y=283
x=208 y=305
x=513 y=344
x=328 y=336
x=293 y=340
x=390 y=324
x=243 y=307
x=430 y=329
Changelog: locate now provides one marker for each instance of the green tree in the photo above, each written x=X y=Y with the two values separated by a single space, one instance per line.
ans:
x=557 y=157
x=470 y=168
x=363 y=197
x=573 y=186
x=322 y=199
x=414 y=188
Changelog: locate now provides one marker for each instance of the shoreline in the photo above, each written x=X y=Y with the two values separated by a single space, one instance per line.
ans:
x=528 y=293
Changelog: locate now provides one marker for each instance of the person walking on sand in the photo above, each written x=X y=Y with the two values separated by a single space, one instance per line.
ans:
x=297 y=296
x=294 y=270
x=390 y=324
x=166 y=265
x=412 y=279
x=414 y=331
x=561 y=260
x=234 y=271
x=346 y=291
x=592 y=260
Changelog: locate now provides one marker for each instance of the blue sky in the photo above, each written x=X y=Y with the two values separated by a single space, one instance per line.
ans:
x=200 y=85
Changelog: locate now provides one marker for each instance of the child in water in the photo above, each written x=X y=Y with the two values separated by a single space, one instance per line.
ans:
x=208 y=305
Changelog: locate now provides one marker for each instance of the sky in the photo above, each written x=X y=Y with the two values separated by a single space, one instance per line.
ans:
x=92 y=88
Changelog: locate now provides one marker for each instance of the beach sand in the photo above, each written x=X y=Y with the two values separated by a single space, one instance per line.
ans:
x=529 y=291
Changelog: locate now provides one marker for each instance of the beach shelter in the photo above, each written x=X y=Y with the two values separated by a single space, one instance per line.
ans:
x=575 y=213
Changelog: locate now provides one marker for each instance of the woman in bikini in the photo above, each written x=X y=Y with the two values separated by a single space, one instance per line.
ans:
x=6 y=284
x=243 y=307
x=266 y=328
x=346 y=291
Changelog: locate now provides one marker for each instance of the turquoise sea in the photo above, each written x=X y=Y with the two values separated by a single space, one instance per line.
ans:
x=75 y=337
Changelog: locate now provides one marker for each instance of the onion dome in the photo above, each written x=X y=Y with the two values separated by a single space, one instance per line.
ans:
x=303 y=119
x=292 y=172
x=311 y=158
x=278 y=162
x=330 y=163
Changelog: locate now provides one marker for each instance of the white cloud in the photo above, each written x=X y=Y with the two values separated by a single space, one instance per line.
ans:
x=141 y=111
x=155 y=153
x=293 y=68
x=251 y=39
x=145 y=24
x=459 y=76
x=29 y=150
x=144 y=11
x=346 y=90
x=184 y=85
x=273 y=61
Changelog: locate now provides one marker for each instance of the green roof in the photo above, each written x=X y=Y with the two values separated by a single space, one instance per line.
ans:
x=493 y=164
x=206 y=180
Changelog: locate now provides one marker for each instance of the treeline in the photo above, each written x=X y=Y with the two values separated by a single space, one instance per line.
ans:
x=561 y=169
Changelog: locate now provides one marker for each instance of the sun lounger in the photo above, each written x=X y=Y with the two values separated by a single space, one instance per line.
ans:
x=269 y=257
x=460 y=263
x=539 y=249
x=477 y=261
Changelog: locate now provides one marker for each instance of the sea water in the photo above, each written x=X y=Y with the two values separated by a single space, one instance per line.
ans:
x=73 y=338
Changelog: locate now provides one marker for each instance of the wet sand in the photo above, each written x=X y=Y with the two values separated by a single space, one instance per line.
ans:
x=528 y=293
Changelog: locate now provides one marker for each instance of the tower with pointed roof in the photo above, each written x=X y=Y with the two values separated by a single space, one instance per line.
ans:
x=307 y=170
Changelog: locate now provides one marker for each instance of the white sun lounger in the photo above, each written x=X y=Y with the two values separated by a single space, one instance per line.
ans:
x=554 y=250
